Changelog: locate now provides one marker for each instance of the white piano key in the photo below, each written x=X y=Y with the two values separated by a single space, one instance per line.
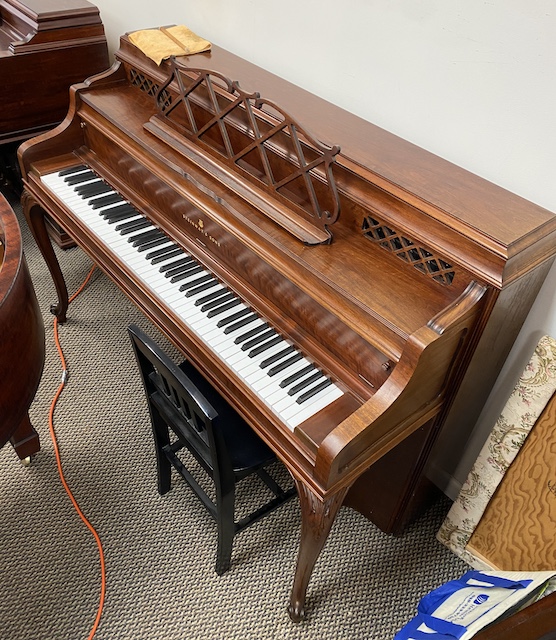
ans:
x=314 y=405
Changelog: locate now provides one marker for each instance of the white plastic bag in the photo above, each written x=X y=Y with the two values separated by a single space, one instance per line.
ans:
x=461 y=608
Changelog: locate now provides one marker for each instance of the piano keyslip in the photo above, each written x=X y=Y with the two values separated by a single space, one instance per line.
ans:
x=291 y=386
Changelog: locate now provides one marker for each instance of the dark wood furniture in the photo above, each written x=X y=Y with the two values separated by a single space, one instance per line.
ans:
x=21 y=340
x=535 y=622
x=188 y=414
x=404 y=278
x=45 y=46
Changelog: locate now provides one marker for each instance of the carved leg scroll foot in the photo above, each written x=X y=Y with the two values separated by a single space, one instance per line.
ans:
x=25 y=440
x=34 y=215
x=317 y=518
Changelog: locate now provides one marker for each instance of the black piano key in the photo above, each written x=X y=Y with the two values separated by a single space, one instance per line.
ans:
x=277 y=356
x=80 y=177
x=223 y=297
x=177 y=263
x=104 y=201
x=133 y=225
x=185 y=272
x=266 y=345
x=122 y=207
x=313 y=392
x=285 y=364
x=200 y=288
x=172 y=252
x=258 y=339
x=121 y=216
x=80 y=189
x=93 y=189
x=210 y=296
x=147 y=236
x=126 y=219
x=153 y=244
x=252 y=332
x=132 y=231
x=70 y=170
x=223 y=308
x=162 y=251
x=295 y=376
x=198 y=281
x=245 y=320
x=99 y=190
x=305 y=383
x=233 y=317
x=113 y=212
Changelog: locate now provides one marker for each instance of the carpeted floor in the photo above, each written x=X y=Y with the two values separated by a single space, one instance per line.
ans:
x=160 y=550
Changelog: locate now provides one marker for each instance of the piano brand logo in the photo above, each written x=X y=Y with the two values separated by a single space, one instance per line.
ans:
x=200 y=226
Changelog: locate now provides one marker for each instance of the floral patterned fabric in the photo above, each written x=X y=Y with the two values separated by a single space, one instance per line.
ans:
x=527 y=401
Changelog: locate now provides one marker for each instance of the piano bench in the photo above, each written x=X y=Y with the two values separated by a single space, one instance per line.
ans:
x=188 y=414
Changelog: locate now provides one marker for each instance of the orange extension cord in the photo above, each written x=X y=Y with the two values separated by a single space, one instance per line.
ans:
x=59 y=463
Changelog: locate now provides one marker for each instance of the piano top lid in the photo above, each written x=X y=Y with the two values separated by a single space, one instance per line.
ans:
x=502 y=221
x=42 y=15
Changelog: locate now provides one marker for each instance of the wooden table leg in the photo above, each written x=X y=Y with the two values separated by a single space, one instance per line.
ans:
x=25 y=440
x=317 y=518
x=35 y=217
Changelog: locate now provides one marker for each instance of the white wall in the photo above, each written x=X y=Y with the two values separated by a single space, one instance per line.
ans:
x=470 y=80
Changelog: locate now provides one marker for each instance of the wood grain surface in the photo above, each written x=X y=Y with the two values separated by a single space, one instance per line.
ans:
x=518 y=529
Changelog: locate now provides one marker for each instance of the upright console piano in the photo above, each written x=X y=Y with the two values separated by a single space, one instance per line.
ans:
x=351 y=294
x=45 y=46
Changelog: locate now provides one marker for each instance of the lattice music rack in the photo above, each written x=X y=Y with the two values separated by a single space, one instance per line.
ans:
x=258 y=140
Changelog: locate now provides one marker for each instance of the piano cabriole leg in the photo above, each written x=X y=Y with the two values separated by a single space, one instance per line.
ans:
x=317 y=518
x=34 y=215
x=25 y=440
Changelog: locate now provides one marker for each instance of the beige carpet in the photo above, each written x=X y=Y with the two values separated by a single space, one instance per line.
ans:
x=160 y=550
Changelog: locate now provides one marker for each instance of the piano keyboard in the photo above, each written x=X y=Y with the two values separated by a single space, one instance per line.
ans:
x=292 y=386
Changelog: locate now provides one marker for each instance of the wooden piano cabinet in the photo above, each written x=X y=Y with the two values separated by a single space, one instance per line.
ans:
x=45 y=46
x=21 y=340
x=406 y=289
x=393 y=491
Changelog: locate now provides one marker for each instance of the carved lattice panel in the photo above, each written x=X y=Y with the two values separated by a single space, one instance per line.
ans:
x=254 y=136
x=421 y=258
x=143 y=83
x=146 y=85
